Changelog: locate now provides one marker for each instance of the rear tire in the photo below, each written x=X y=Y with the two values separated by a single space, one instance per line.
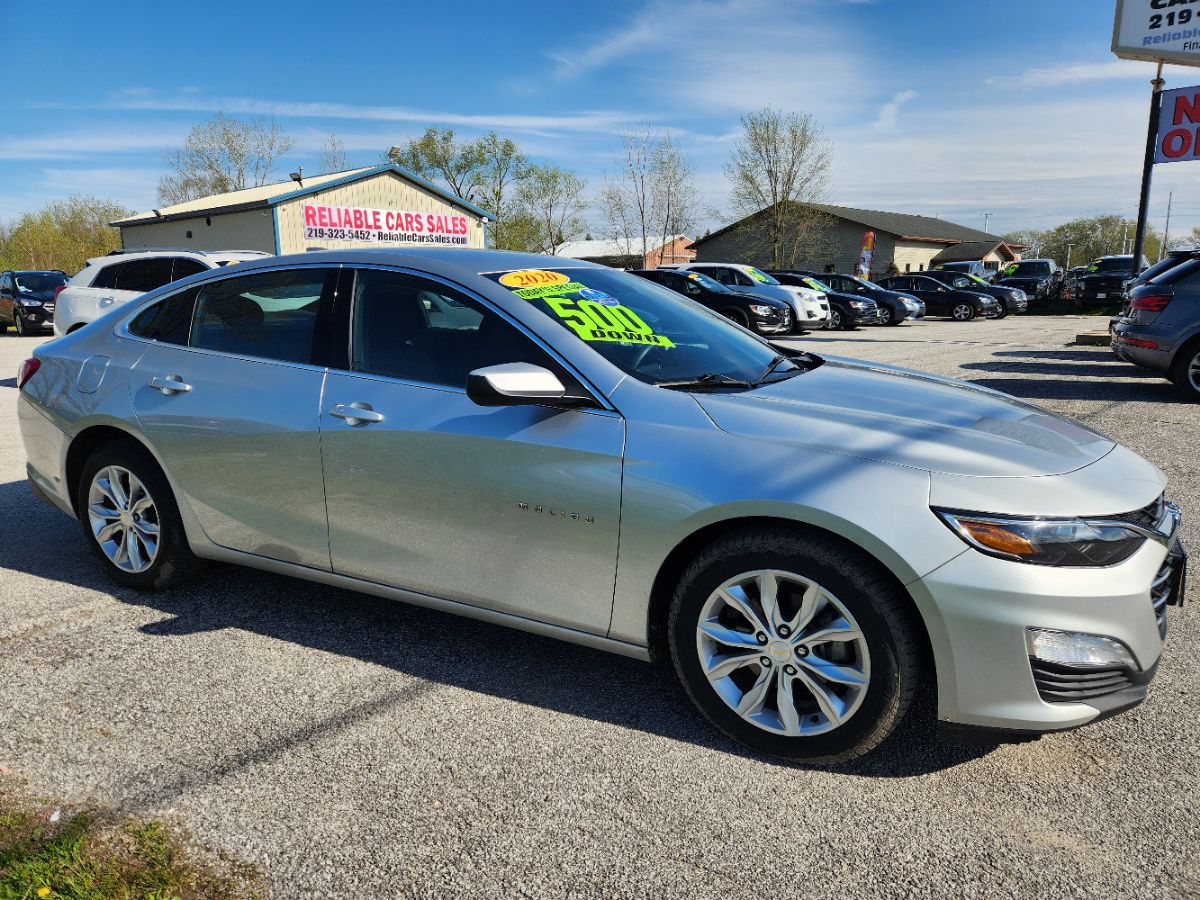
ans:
x=130 y=519
x=1185 y=371
x=770 y=669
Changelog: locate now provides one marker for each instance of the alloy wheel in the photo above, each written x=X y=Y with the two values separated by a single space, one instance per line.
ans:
x=783 y=653
x=1193 y=371
x=963 y=312
x=835 y=320
x=19 y=323
x=124 y=519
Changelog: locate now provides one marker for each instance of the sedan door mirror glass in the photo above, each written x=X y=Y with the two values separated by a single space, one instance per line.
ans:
x=520 y=384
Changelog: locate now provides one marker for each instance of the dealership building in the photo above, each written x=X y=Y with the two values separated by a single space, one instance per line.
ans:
x=378 y=206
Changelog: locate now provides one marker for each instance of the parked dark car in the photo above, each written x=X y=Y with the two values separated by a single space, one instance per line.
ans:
x=27 y=300
x=1011 y=299
x=1071 y=282
x=942 y=300
x=1040 y=279
x=894 y=308
x=1104 y=281
x=846 y=311
x=764 y=315
x=1167 y=263
x=1162 y=329
x=973 y=267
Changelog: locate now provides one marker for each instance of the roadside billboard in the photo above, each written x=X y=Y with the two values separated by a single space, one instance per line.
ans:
x=1158 y=29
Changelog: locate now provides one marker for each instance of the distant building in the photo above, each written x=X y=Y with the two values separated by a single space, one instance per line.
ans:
x=911 y=243
x=625 y=254
x=379 y=205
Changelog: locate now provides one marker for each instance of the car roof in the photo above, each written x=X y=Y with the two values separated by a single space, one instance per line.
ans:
x=33 y=272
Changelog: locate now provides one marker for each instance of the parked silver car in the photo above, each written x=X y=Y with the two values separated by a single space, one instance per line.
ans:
x=578 y=452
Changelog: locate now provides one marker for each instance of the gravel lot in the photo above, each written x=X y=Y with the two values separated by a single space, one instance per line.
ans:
x=344 y=744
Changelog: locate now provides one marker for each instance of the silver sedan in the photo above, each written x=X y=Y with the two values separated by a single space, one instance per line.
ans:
x=560 y=447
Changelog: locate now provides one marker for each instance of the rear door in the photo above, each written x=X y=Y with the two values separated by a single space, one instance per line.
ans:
x=7 y=288
x=228 y=392
x=512 y=508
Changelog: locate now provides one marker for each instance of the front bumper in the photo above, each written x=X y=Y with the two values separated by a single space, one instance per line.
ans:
x=777 y=324
x=36 y=316
x=986 y=678
x=865 y=316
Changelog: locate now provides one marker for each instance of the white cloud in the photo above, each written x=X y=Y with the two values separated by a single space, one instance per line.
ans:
x=85 y=144
x=1076 y=73
x=890 y=110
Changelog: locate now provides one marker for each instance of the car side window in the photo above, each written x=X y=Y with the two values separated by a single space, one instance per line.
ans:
x=272 y=315
x=107 y=276
x=169 y=320
x=185 y=266
x=408 y=327
x=743 y=279
x=688 y=286
x=6 y=284
x=142 y=275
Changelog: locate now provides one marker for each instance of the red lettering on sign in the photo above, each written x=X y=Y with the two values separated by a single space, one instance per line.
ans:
x=1177 y=143
x=375 y=219
x=310 y=215
x=1186 y=107
x=323 y=216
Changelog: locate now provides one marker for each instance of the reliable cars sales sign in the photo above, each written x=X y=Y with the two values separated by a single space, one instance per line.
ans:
x=383 y=226
x=1153 y=30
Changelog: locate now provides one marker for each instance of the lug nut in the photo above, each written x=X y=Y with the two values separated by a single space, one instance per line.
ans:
x=791 y=670
x=802 y=651
x=784 y=631
x=765 y=661
x=761 y=638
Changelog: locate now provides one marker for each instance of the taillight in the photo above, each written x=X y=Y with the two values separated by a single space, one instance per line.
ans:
x=27 y=371
x=1152 y=303
x=58 y=290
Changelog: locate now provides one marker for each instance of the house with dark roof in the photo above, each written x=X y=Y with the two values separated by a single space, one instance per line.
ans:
x=833 y=235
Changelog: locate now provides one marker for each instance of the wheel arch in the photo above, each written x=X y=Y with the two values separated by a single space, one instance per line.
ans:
x=86 y=442
x=686 y=550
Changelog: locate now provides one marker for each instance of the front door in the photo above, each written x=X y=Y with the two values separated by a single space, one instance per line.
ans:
x=512 y=508
x=229 y=395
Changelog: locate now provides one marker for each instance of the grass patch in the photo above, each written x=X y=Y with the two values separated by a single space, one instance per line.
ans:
x=82 y=856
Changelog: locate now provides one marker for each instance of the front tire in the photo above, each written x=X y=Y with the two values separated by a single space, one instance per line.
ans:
x=890 y=317
x=836 y=321
x=19 y=322
x=962 y=312
x=796 y=645
x=1003 y=314
x=130 y=519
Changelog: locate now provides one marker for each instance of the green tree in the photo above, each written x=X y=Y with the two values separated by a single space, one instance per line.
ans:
x=61 y=235
x=438 y=156
x=777 y=168
x=1082 y=240
x=223 y=154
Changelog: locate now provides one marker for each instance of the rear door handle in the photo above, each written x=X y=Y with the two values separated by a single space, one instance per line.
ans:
x=357 y=413
x=170 y=385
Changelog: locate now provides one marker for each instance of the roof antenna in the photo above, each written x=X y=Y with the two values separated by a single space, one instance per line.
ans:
x=298 y=177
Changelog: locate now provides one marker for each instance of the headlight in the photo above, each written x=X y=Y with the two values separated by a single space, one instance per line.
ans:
x=1046 y=542
x=859 y=304
x=23 y=301
x=761 y=310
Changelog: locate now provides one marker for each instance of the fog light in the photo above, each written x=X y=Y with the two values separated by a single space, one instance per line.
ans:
x=1070 y=648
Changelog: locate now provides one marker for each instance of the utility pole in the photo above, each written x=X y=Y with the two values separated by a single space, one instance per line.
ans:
x=1068 y=265
x=1165 y=245
x=987 y=217
x=1139 y=240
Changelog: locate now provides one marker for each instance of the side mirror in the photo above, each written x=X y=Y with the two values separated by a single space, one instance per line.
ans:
x=520 y=384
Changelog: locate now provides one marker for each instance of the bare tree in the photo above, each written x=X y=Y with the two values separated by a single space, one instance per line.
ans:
x=333 y=156
x=550 y=202
x=223 y=154
x=778 y=166
x=650 y=199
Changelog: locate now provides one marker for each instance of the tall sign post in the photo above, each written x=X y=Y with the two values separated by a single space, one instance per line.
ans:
x=1156 y=31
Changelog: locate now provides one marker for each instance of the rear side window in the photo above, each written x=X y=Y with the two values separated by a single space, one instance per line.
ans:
x=272 y=315
x=168 y=321
x=107 y=276
x=142 y=275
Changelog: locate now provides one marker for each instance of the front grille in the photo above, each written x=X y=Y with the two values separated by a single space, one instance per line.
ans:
x=1148 y=516
x=1064 y=684
x=1160 y=594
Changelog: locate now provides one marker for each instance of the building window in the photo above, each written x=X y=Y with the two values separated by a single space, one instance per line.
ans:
x=908 y=267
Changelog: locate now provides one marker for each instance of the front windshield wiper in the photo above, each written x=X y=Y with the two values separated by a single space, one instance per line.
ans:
x=707 y=381
x=771 y=367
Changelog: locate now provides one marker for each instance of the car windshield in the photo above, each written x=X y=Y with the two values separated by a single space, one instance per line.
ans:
x=642 y=328
x=975 y=279
x=39 y=282
x=760 y=276
x=706 y=282
x=816 y=285
x=961 y=282
x=862 y=282
x=1112 y=264
x=1027 y=269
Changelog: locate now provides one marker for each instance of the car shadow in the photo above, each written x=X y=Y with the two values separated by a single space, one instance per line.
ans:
x=8 y=382
x=424 y=644
x=1066 y=369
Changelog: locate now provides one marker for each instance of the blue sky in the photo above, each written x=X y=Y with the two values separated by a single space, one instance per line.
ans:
x=942 y=107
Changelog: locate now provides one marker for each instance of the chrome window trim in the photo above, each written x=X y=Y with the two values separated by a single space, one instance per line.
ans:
x=487 y=304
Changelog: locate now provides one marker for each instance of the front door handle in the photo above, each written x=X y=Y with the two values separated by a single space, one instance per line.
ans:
x=170 y=385
x=357 y=413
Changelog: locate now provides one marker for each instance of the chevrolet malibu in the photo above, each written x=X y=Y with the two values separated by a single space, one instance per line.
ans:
x=574 y=451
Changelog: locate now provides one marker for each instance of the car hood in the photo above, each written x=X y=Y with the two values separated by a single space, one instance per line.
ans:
x=40 y=296
x=907 y=418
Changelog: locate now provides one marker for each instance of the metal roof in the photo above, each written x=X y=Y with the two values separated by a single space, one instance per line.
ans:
x=614 y=247
x=969 y=251
x=267 y=195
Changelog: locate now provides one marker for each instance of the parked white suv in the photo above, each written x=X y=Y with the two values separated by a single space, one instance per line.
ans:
x=123 y=275
x=811 y=307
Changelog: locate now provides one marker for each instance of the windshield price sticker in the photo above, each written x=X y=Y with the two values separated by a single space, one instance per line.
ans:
x=593 y=321
x=527 y=278
x=548 y=290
